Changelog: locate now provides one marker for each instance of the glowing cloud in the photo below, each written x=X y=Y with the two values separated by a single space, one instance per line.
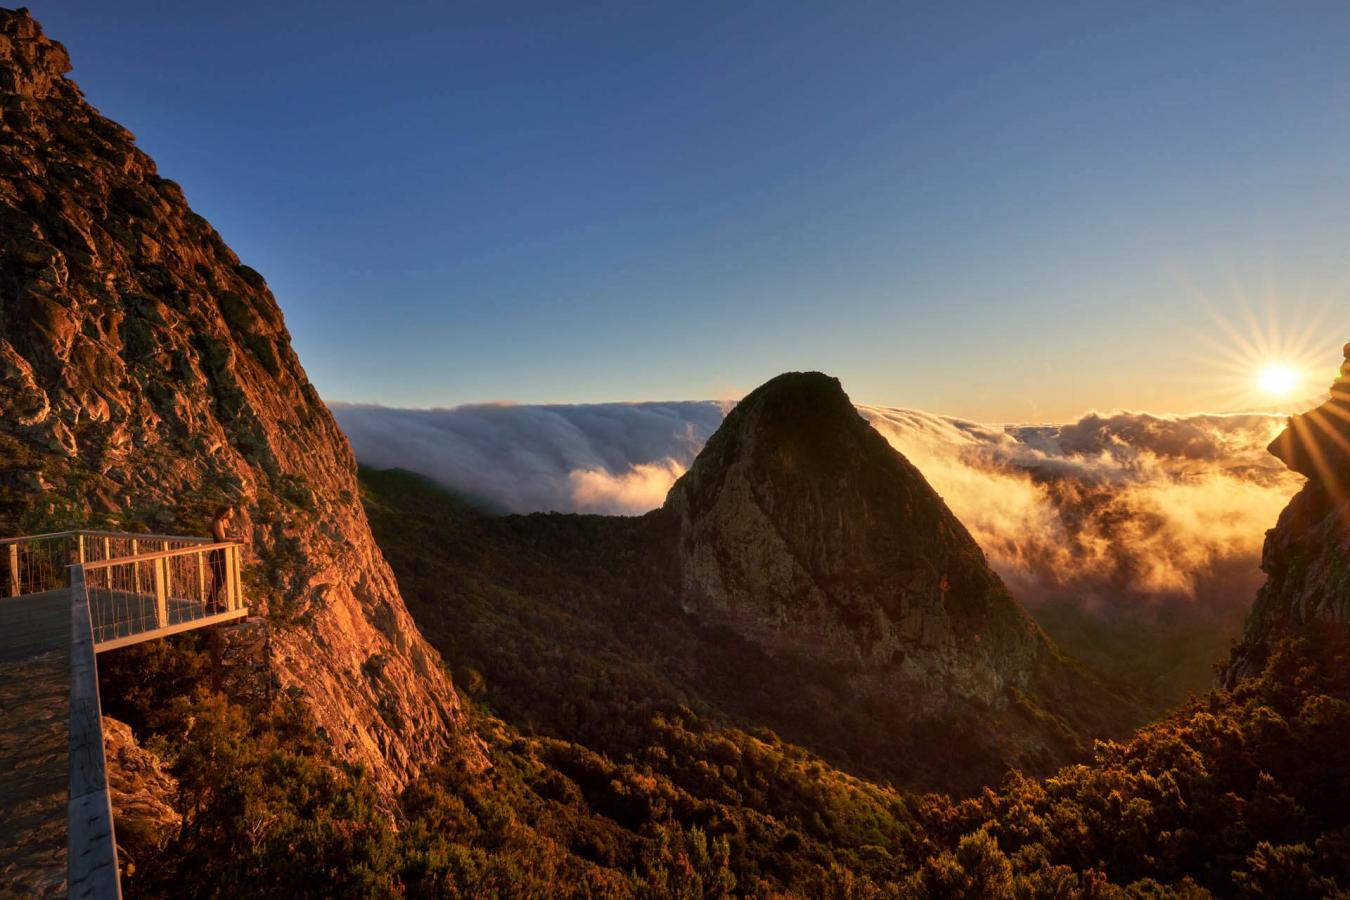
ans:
x=521 y=459
x=1123 y=508
x=1124 y=505
x=641 y=488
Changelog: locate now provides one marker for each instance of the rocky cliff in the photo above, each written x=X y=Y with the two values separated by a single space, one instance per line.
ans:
x=147 y=377
x=802 y=529
x=1307 y=554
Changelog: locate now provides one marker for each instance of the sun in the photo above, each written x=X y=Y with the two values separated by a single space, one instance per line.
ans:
x=1279 y=380
x=1276 y=363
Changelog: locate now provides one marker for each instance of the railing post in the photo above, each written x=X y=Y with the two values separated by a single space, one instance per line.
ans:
x=135 y=567
x=14 y=588
x=80 y=541
x=161 y=593
x=231 y=578
x=168 y=571
x=201 y=575
x=107 y=548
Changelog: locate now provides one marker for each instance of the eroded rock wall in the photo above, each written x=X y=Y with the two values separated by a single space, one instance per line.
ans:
x=147 y=377
x=803 y=529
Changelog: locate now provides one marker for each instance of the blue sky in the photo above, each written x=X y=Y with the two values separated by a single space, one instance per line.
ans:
x=1003 y=211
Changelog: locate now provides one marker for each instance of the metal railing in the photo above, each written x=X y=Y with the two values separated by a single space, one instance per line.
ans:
x=91 y=839
x=37 y=563
x=152 y=594
x=123 y=589
x=138 y=586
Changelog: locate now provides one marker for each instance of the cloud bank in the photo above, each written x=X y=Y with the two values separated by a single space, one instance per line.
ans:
x=1127 y=506
x=612 y=458
x=1119 y=508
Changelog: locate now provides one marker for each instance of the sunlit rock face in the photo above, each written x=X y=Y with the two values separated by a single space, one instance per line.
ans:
x=147 y=377
x=1307 y=554
x=143 y=792
x=801 y=528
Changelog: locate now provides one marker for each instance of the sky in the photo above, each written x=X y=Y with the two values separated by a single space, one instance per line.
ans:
x=1007 y=212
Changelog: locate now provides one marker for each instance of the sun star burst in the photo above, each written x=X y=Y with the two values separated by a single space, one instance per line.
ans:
x=1275 y=363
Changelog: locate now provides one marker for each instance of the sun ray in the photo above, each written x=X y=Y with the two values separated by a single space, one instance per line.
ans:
x=1328 y=476
x=1337 y=438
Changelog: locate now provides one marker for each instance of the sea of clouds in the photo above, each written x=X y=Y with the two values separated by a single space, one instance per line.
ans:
x=1121 y=506
x=1125 y=506
x=612 y=458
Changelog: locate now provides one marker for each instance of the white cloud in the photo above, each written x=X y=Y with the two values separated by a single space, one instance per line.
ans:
x=636 y=491
x=1114 y=508
x=1111 y=506
x=523 y=458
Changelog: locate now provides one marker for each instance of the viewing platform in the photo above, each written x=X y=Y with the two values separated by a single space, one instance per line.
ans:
x=68 y=596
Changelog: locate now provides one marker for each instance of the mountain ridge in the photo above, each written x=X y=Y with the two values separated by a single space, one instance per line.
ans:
x=848 y=531
x=872 y=642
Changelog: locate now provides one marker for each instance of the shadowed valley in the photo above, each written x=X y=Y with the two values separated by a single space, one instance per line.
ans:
x=802 y=577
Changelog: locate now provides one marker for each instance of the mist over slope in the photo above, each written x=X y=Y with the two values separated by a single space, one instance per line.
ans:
x=610 y=458
x=1152 y=508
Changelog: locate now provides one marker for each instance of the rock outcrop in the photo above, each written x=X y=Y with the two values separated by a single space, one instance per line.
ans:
x=147 y=377
x=803 y=530
x=142 y=792
x=1307 y=554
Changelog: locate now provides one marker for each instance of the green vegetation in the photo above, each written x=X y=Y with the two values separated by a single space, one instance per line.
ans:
x=1240 y=794
x=266 y=812
x=612 y=776
x=1166 y=655
x=574 y=623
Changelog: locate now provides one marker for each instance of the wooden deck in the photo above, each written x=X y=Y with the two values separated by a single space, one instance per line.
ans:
x=35 y=687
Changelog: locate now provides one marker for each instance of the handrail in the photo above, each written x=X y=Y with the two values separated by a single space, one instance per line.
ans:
x=138 y=535
x=51 y=535
x=185 y=582
x=158 y=554
x=147 y=535
x=134 y=598
x=33 y=563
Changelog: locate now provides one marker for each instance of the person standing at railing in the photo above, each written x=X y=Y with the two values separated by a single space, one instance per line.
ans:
x=220 y=533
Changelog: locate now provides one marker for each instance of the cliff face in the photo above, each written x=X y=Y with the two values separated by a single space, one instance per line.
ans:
x=1307 y=554
x=147 y=377
x=803 y=530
